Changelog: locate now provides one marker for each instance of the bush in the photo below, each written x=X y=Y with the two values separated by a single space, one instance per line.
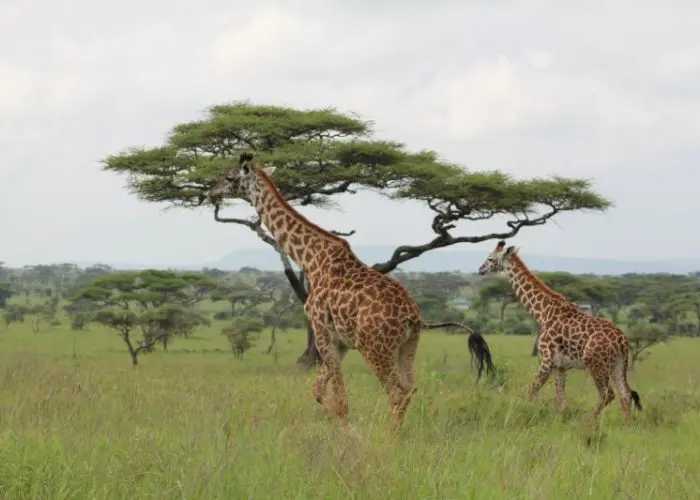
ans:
x=515 y=326
x=641 y=337
x=223 y=314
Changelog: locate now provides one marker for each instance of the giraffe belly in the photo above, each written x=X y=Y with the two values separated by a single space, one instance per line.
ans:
x=568 y=361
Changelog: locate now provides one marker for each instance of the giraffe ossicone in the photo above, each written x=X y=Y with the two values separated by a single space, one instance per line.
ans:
x=568 y=338
x=350 y=305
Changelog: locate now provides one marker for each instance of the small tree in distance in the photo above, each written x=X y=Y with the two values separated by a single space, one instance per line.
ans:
x=145 y=307
x=243 y=333
x=643 y=336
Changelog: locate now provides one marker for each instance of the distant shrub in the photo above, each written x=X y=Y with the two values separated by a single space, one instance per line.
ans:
x=223 y=314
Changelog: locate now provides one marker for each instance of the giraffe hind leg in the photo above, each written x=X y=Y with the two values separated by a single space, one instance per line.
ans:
x=600 y=358
x=407 y=357
x=601 y=378
x=561 y=388
x=385 y=366
x=619 y=376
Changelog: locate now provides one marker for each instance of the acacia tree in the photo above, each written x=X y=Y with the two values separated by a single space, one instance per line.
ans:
x=146 y=307
x=320 y=153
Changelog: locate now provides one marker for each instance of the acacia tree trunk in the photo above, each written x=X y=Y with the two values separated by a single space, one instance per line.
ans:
x=134 y=353
x=535 y=349
x=310 y=357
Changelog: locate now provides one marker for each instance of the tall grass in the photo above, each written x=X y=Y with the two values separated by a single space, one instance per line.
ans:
x=76 y=421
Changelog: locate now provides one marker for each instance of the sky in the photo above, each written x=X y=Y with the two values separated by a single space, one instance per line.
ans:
x=606 y=91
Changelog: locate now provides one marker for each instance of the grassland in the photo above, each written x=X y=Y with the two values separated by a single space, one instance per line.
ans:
x=77 y=422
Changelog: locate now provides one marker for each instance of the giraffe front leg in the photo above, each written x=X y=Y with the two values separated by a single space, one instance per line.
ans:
x=319 y=388
x=332 y=355
x=540 y=379
x=561 y=388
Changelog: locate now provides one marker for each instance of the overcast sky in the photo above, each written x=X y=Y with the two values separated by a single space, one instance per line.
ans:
x=610 y=92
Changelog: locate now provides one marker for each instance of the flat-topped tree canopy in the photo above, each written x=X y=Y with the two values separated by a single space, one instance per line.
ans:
x=320 y=153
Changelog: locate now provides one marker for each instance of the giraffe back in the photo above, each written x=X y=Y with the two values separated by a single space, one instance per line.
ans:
x=366 y=308
x=566 y=331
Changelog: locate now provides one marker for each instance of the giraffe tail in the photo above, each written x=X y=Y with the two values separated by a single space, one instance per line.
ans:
x=637 y=401
x=478 y=347
x=633 y=394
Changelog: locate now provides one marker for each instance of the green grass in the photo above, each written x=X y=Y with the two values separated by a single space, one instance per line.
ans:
x=195 y=423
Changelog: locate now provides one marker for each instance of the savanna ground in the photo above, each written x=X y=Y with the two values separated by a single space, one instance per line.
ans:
x=76 y=421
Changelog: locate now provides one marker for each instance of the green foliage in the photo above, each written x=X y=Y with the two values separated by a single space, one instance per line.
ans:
x=156 y=304
x=45 y=312
x=243 y=333
x=642 y=337
x=434 y=292
x=5 y=294
x=14 y=313
x=171 y=319
x=81 y=312
x=517 y=326
x=320 y=153
x=242 y=296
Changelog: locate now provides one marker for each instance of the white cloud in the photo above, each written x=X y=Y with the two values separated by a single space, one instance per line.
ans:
x=681 y=63
x=16 y=90
x=494 y=85
x=503 y=94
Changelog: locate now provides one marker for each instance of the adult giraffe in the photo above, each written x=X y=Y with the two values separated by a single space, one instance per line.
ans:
x=350 y=305
x=569 y=338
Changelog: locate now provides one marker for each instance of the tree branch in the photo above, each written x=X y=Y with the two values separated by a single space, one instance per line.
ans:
x=340 y=233
x=343 y=187
x=444 y=239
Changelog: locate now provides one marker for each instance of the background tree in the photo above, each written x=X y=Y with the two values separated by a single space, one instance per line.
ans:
x=642 y=337
x=243 y=333
x=80 y=313
x=145 y=307
x=44 y=312
x=14 y=313
x=242 y=296
x=434 y=293
x=499 y=290
x=321 y=153
x=5 y=294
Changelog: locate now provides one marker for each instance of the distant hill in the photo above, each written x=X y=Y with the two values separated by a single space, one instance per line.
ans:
x=469 y=261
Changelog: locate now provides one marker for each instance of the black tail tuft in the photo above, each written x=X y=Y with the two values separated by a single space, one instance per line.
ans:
x=637 y=401
x=245 y=158
x=479 y=349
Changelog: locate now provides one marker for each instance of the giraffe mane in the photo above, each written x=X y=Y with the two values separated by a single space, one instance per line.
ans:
x=262 y=175
x=538 y=281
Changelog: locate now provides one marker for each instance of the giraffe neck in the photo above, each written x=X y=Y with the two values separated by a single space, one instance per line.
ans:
x=300 y=238
x=535 y=296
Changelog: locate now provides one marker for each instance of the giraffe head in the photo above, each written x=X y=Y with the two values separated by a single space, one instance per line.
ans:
x=243 y=178
x=498 y=260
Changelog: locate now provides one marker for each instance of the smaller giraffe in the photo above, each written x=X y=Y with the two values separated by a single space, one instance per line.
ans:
x=569 y=338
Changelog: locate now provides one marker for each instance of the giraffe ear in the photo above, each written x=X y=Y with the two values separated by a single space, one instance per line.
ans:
x=270 y=170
